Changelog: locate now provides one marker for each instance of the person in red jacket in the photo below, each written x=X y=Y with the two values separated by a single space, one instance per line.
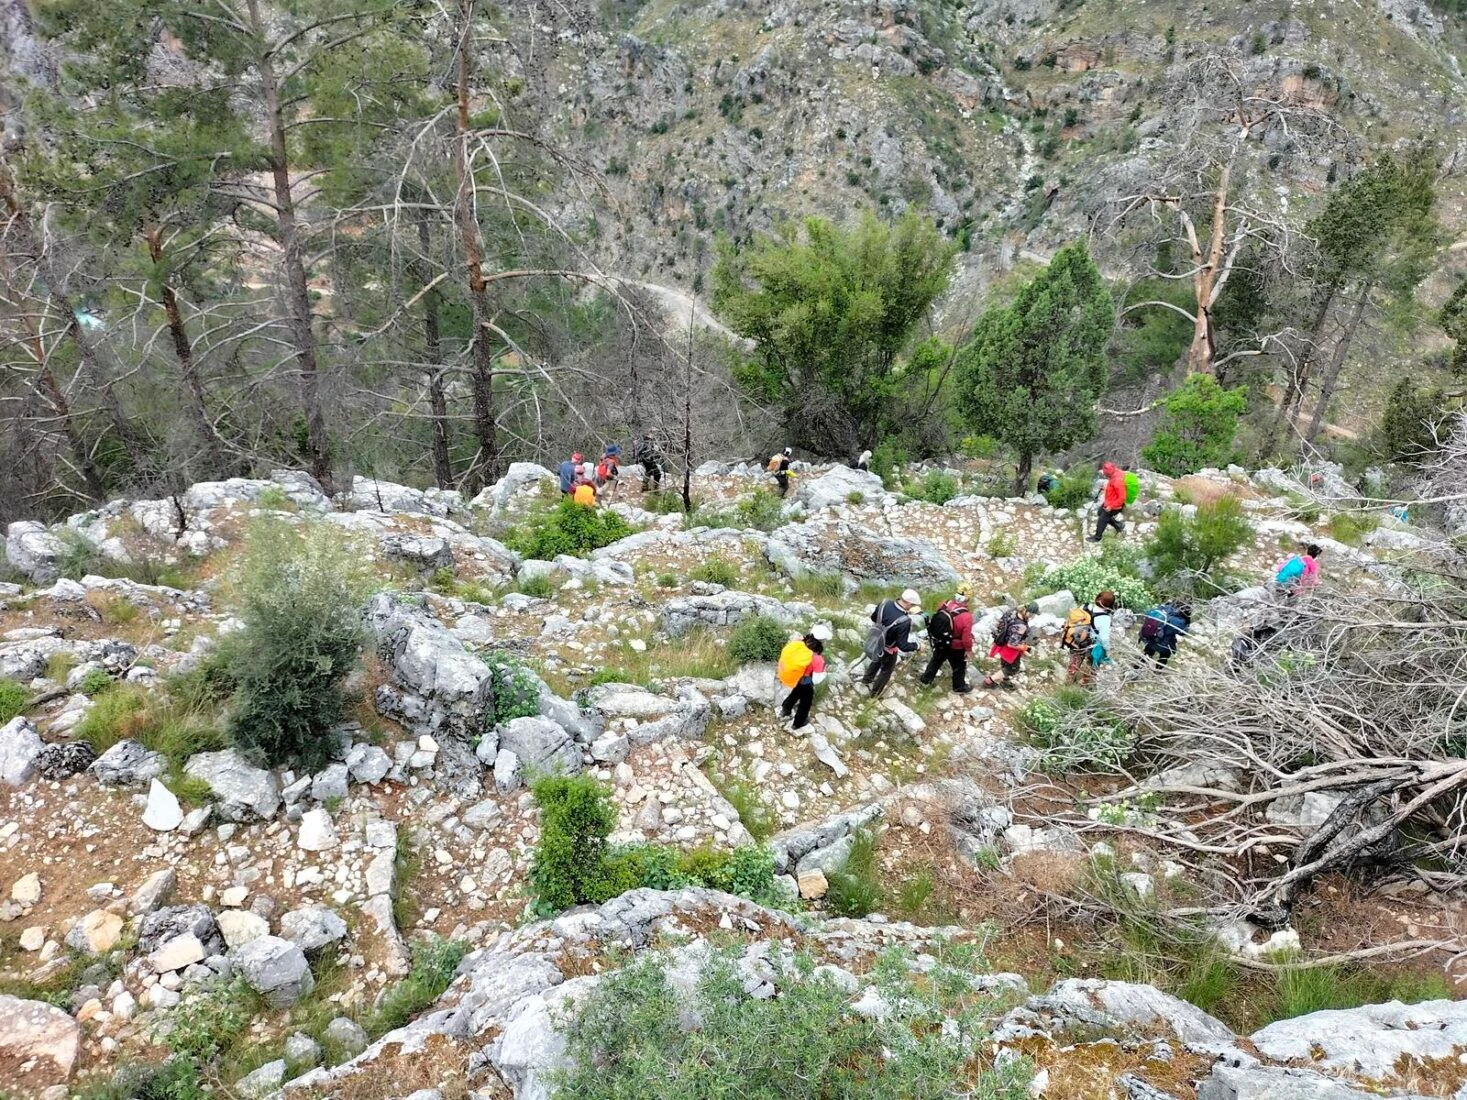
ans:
x=1112 y=501
x=950 y=630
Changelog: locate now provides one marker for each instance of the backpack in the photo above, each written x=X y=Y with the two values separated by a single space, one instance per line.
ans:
x=875 y=645
x=1002 y=627
x=940 y=628
x=1155 y=623
x=774 y=461
x=1133 y=488
x=585 y=495
x=607 y=469
x=1079 y=632
x=794 y=658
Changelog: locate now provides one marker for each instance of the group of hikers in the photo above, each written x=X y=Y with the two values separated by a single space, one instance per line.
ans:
x=585 y=483
x=1086 y=634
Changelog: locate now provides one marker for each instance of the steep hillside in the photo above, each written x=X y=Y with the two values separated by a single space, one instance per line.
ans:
x=1003 y=120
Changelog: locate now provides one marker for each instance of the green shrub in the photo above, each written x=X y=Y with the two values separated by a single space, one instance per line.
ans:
x=206 y=1025
x=761 y=511
x=1197 y=428
x=569 y=528
x=1075 y=488
x=1411 y=423
x=94 y=682
x=743 y=796
x=1183 y=548
x=663 y=502
x=1075 y=737
x=637 y=1035
x=716 y=570
x=301 y=636
x=515 y=690
x=13 y=698
x=937 y=487
x=888 y=459
x=666 y=580
x=78 y=557
x=570 y=866
x=435 y=961
x=758 y=638
x=1002 y=545
x=855 y=496
x=1351 y=527
x=855 y=888
x=538 y=587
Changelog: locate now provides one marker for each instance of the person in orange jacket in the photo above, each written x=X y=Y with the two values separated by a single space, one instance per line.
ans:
x=1112 y=502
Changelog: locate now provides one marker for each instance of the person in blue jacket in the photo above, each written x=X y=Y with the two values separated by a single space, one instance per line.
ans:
x=1161 y=647
x=568 y=471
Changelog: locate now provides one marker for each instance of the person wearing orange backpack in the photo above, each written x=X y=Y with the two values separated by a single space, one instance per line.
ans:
x=608 y=469
x=779 y=466
x=801 y=667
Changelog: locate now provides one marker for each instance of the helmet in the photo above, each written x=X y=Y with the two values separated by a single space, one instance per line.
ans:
x=789 y=451
x=911 y=599
x=1031 y=609
x=964 y=591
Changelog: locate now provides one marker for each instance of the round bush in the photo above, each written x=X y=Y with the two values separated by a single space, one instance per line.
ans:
x=757 y=639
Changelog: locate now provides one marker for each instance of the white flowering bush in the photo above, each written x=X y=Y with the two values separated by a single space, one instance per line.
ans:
x=1087 y=577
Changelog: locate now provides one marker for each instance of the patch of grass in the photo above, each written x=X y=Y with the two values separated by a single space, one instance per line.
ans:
x=115 y=610
x=663 y=502
x=667 y=580
x=761 y=511
x=538 y=587
x=1352 y=527
x=1301 y=990
x=59 y=666
x=434 y=963
x=13 y=698
x=56 y=990
x=855 y=496
x=205 y=1026
x=696 y=655
x=743 y=795
x=407 y=864
x=855 y=888
x=1076 y=488
x=716 y=570
x=275 y=499
x=1002 y=545
x=119 y=715
x=819 y=586
x=937 y=487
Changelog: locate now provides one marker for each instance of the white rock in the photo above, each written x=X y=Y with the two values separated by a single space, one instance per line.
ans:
x=317 y=832
x=163 y=813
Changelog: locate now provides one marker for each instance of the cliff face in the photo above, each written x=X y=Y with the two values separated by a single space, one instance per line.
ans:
x=1002 y=119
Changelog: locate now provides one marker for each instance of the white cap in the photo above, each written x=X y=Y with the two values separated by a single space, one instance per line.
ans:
x=911 y=599
x=821 y=633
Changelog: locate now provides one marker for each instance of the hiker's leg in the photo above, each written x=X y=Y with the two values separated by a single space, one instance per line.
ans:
x=884 y=669
x=789 y=702
x=934 y=665
x=959 y=660
x=1100 y=525
x=1072 y=671
x=806 y=697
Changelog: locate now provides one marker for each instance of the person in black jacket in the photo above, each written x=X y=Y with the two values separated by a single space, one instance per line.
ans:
x=894 y=617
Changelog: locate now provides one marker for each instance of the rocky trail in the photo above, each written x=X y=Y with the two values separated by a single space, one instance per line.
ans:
x=131 y=883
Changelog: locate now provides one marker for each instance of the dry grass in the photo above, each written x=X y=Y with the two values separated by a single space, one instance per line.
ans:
x=442 y=1064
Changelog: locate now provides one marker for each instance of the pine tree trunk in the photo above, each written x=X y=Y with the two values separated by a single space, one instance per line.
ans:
x=485 y=466
x=298 y=291
x=183 y=350
x=1337 y=364
x=1022 y=470
x=1299 y=377
x=433 y=355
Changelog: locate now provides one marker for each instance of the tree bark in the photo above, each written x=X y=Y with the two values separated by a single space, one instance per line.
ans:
x=20 y=224
x=1299 y=377
x=1022 y=469
x=1211 y=266
x=183 y=350
x=1337 y=363
x=486 y=462
x=91 y=477
x=298 y=291
x=433 y=356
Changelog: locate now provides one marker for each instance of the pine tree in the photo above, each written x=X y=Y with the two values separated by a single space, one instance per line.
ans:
x=1033 y=370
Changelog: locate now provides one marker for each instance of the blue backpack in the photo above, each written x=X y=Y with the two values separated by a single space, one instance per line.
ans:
x=1155 y=623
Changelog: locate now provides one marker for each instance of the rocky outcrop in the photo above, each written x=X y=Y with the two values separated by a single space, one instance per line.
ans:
x=1089 y=1004
x=540 y=747
x=372 y=495
x=852 y=550
x=33 y=550
x=20 y=746
x=276 y=969
x=242 y=792
x=522 y=478
x=128 y=764
x=438 y=688
x=823 y=845
x=840 y=485
x=728 y=608
x=644 y=716
x=1372 y=1042
x=38 y=1043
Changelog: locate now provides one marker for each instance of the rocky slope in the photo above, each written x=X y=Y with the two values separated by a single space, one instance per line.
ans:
x=133 y=883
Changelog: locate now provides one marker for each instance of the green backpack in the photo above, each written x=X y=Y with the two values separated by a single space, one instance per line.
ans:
x=1133 y=487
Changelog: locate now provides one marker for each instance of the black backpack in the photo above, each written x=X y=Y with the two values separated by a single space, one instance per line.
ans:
x=940 y=628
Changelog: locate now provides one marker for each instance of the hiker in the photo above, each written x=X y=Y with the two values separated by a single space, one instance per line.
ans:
x=1087 y=636
x=1112 y=501
x=1246 y=647
x=779 y=466
x=889 y=636
x=608 y=468
x=1047 y=483
x=1010 y=643
x=802 y=661
x=584 y=492
x=569 y=470
x=864 y=461
x=650 y=457
x=1301 y=571
x=1162 y=629
x=950 y=630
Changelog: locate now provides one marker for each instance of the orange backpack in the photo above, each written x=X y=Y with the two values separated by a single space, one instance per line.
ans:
x=794 y=659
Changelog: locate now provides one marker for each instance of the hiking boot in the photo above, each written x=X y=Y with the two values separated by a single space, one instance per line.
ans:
x=966 y=689
x=1091 y=538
